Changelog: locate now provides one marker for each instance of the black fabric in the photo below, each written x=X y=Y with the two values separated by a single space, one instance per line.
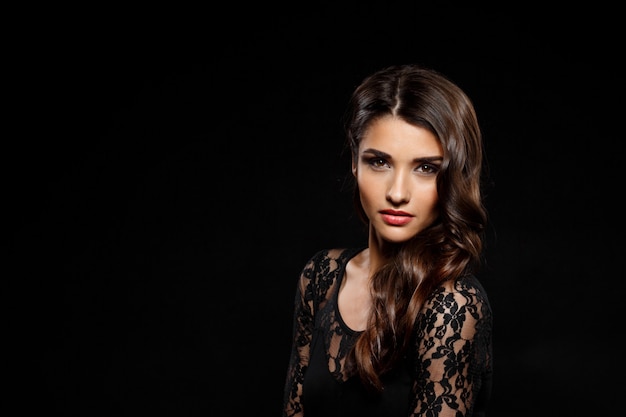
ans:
x=448 y=372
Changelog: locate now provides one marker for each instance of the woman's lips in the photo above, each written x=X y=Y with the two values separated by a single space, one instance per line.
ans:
x=395 y=218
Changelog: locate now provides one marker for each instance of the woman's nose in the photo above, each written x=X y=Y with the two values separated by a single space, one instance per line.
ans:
x=398 y=191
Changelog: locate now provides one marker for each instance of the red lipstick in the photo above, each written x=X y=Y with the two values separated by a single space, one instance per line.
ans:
x=395 y=217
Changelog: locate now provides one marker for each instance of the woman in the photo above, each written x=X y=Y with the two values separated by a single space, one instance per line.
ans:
x=401 y=327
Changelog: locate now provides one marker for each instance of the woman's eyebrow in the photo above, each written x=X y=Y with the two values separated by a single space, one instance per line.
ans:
x=381 y=154
x=376 y=152
x=429 y=159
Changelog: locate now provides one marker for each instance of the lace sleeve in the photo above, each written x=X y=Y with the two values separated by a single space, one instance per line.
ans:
x=302 y=333
x=453 y=352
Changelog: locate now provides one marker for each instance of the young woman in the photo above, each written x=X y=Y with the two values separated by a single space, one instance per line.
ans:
x=401 y=326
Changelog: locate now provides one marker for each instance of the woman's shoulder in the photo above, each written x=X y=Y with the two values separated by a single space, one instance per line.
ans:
x=470 y=284
x=325 y=269
x=463 y=304
x=328 y=264
x=465 y=291
x=333 y=258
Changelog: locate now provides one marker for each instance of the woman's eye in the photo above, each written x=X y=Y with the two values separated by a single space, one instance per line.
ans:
x=428 y=168
x=377 y=162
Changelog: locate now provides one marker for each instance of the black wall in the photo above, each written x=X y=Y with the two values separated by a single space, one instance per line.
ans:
x=170 y=172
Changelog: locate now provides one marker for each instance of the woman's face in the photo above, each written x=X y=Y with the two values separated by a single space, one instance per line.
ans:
x=396 y=172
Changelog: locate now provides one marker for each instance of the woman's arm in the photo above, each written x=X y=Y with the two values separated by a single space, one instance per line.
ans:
x=301 y=342
x=453 y=356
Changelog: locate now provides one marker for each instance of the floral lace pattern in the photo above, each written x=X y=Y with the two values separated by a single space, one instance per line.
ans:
x=450 y=364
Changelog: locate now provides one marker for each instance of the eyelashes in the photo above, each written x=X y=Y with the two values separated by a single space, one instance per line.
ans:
x=429 y=168
x=376 y=162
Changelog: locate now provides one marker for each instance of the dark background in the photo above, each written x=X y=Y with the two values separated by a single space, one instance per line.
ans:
x=170 y=172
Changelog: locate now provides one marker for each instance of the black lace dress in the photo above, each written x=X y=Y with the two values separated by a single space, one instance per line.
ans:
x=448 y=373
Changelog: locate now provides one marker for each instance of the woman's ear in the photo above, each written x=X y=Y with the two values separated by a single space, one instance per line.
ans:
x=353 y=168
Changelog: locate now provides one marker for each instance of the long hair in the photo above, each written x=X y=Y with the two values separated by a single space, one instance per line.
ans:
x=449 y=248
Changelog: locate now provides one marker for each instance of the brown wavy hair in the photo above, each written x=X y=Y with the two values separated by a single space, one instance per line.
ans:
x=449 y=248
